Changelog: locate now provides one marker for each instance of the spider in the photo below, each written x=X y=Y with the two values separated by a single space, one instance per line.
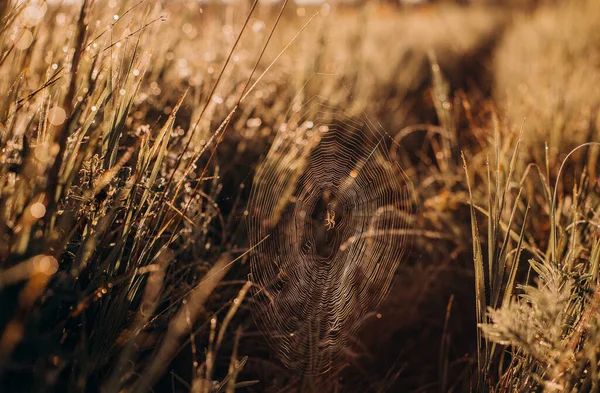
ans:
x=330 y=219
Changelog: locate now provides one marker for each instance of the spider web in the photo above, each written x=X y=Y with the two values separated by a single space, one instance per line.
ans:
x=334 y=210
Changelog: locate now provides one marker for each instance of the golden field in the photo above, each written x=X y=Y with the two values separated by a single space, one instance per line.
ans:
x=154 y=156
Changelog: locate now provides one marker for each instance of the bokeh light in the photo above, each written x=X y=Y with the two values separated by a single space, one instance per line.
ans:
x=38 y=210
x=23 y=39
x=57 y=116
x=33 y=14
x=45 y=264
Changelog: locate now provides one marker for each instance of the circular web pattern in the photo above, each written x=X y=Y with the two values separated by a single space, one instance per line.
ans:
x=327 y=217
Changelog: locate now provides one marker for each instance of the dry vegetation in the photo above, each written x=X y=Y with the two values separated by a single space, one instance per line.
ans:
x=130 y=133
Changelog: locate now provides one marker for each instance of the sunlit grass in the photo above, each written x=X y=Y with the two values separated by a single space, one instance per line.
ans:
x=129 y=136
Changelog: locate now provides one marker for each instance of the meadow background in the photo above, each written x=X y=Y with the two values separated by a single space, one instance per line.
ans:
x=130 y=132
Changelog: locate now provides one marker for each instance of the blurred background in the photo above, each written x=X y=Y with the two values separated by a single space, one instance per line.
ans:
x=130 y=134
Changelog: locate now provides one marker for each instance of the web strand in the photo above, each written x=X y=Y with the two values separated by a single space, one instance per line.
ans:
x=336 y=210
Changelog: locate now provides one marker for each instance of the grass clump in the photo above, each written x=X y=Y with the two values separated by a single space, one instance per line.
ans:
x=130 y=133
x=551 y=323
x=545 y=77
x=92 y=213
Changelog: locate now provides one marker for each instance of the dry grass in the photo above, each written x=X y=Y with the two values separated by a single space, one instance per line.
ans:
x=129 y=144
x=546 y=73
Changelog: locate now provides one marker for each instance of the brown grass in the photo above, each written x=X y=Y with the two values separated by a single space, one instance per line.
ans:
x=127 y=156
